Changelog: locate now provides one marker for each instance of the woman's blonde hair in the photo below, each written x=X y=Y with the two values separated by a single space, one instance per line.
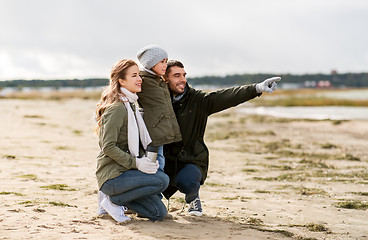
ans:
x=111 y=93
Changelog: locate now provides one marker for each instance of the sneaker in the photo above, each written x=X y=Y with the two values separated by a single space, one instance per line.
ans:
x=115 y=211
x=195 y=208
x=100 y=210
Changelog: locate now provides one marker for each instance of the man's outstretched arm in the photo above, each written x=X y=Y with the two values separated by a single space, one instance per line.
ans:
x=229 y=97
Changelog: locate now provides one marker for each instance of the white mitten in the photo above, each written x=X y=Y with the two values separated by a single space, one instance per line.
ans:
x=145 y=165
x=269 y=85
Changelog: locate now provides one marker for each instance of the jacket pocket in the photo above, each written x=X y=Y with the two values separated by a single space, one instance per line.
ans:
x=155 y=123
x=159 y=124
x=196 y=153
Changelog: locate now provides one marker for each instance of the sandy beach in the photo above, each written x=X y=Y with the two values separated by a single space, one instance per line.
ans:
x=269 y=178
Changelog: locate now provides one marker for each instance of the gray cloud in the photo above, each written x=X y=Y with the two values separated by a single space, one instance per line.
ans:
x=83 y=38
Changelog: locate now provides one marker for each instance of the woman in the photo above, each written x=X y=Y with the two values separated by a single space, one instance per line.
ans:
x=126 y=178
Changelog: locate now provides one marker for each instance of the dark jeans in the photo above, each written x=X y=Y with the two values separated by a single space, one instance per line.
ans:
x=139 y=191
x=188 y=181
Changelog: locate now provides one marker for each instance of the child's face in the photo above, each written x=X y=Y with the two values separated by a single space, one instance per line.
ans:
x=160 y=67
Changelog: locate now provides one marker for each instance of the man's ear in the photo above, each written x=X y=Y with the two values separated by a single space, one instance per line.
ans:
x=166 y=80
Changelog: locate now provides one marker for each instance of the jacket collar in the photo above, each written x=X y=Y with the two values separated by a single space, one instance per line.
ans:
x=182 y=97
x=154 y=76
x=150 y=75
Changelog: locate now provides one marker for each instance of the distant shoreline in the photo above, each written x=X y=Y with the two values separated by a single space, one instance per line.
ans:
x=353 y=97
x=289 y=81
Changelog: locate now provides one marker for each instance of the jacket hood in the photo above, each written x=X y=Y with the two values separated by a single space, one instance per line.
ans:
x=148 y=74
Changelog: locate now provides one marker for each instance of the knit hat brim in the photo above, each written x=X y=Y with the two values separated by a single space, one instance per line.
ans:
x=150 y=55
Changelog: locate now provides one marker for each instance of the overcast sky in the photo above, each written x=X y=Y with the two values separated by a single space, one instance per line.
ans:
x=47 y=39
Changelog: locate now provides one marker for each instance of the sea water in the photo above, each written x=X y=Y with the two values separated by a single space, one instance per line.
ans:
x=318 y=113
x=321 y=112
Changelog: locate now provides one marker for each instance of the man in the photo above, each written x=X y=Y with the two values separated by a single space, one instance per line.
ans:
x=187 y=160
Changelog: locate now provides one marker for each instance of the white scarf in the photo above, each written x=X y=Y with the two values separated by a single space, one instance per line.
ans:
x=137 y=130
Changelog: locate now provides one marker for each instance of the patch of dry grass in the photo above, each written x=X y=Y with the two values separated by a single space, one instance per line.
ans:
x=54 y=95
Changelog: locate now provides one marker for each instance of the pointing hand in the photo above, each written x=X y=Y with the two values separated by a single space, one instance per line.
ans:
x=269 y=85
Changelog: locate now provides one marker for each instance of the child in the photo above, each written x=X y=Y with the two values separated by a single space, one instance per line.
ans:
x=156 y=101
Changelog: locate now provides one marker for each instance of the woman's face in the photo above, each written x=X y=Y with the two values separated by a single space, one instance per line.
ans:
x=160 y=67
x=132 y=81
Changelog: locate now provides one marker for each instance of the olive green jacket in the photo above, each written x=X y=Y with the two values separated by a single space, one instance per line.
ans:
x=158 y=115
x=114 y=157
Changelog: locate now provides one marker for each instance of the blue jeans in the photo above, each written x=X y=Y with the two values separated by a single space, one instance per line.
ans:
x=188 y=181
x=161 y=158
x=139 y=191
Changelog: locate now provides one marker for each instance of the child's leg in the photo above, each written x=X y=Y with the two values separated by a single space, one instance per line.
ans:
x=161 y=158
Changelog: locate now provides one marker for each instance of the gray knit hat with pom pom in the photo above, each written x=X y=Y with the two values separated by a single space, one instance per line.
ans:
x=150 y=55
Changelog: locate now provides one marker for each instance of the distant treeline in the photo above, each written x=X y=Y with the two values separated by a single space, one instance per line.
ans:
x=337 y=80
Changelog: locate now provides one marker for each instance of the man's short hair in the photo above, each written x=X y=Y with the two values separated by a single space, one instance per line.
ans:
x=173 y=63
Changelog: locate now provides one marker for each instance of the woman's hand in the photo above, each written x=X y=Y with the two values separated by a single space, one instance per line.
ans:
x=145 y=165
